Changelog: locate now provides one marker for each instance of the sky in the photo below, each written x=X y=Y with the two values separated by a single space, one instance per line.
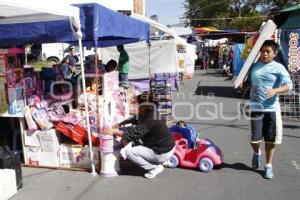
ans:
x=168 y=11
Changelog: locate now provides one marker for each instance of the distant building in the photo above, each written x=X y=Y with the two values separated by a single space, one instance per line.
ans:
x=154 y=17
x=139 y=7
x=124 y=6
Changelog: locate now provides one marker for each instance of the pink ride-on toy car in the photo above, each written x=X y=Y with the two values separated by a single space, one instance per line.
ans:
x=204 y=156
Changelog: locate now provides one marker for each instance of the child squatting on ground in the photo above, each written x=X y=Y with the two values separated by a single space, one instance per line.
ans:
x=267 y=78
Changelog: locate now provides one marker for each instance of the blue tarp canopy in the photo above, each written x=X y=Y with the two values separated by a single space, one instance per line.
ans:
x=24 y=22
x=100 y=27
x=103 y=27
x=36 y=32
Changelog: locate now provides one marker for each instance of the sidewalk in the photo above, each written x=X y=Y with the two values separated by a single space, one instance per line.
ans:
x=235 y=180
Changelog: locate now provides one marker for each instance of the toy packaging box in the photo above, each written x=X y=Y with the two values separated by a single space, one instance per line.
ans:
x=43 y=149
x=15 y=100
x=76 y=156
x=35 y=156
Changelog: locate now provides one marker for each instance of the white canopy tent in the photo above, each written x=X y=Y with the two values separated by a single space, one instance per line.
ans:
x=189 y=56
x=20 y=12
x=163 y=55
x=162 y=58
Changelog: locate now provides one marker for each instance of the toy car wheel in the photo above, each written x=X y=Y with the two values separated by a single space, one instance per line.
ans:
x=206 y=165
x=173 y=161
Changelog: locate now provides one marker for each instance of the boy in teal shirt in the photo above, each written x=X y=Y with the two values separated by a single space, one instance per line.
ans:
x=268 y=78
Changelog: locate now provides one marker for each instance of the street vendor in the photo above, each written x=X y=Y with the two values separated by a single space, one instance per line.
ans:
x=153 y=144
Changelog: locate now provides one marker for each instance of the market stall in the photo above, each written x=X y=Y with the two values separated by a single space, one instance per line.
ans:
x=102 y=29
x=93 y=34
x=24 y=23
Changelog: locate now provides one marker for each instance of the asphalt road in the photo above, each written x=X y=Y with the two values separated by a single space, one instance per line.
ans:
x=210 y=104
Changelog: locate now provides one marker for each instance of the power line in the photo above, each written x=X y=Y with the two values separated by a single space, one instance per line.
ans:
x=224 y=18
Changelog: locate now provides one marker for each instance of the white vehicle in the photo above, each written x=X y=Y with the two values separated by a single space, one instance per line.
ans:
x=54 y=52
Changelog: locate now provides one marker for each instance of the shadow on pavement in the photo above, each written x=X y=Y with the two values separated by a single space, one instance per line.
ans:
x=226 y=124
x=239 y=166
x=291 y=126
x=218 y=91
x=292 y=136
x=37 y=174
x=130 y=169
x=209 y=73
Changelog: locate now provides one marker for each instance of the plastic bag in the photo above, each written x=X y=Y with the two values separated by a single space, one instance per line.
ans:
x=11 y=160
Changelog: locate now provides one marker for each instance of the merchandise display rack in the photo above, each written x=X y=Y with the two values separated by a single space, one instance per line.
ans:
x=160 y=87
x=290 y=101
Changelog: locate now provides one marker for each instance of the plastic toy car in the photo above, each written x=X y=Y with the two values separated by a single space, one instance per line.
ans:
x=204 y=156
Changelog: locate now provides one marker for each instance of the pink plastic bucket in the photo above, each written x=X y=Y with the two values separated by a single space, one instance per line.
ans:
x=106 y=143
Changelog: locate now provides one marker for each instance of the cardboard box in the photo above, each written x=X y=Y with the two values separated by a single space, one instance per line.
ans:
x=3 y=101
x=76 y=156
x=35 y=156
x=48 y=140
x=3 y=65
x=44 y=149
x=3 y=98
x=2 y=82
x=31 y=138
x=45 y=139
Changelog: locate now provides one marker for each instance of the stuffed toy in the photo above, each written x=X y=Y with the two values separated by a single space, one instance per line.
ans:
x=250 y=42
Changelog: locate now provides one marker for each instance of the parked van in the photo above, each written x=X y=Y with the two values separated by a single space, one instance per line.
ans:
x=54 y=52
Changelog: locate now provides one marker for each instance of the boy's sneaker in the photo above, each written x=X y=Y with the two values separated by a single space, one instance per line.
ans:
x=268 y=173
x=255 y=161
x=152 y=173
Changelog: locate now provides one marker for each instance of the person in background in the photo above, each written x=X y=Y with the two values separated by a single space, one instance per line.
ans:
x=111 y=65
x=267 y=79
x=229 y=65
x=205 y=58
x=153 y=142
x=72 y=56
x=73 y=73
x=123 y=66
x=66 y=69
x=226 y=52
